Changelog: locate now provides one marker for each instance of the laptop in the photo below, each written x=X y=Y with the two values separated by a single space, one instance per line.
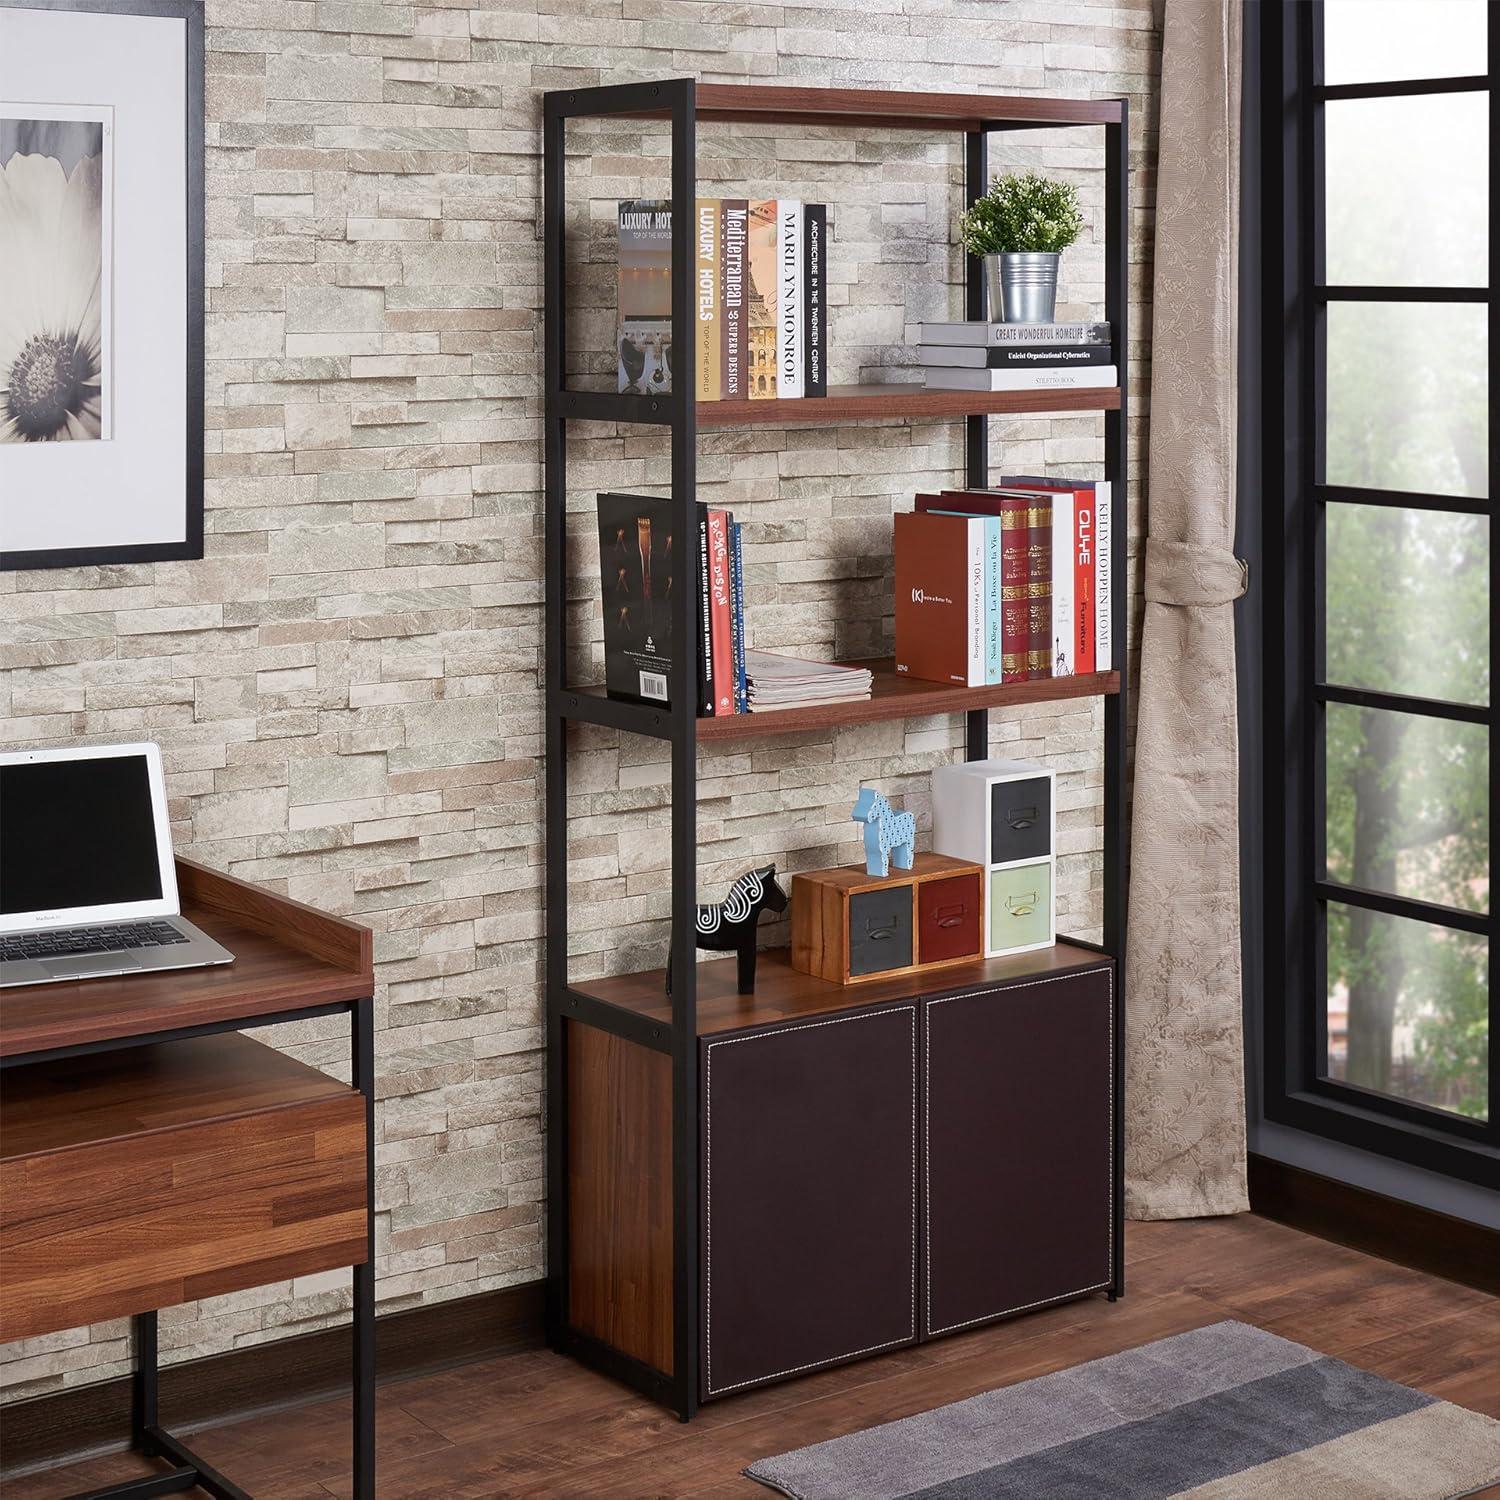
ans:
x=88 y=886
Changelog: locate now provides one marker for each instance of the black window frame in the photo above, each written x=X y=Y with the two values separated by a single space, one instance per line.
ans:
x=1287 y=894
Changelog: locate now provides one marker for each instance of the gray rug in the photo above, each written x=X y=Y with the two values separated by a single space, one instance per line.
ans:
x=1227 y=1412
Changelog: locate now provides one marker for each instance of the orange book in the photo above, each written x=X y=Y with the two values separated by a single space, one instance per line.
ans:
x=939 y=606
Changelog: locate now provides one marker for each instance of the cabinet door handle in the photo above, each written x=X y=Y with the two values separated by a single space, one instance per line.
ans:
x=950 y=916
x=880 y=934
x=1022 y=907
x=1021 y=818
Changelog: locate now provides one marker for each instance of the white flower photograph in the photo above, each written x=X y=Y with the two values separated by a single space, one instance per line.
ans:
x=55 y=236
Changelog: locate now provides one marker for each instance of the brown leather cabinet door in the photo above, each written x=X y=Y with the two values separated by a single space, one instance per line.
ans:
x=1018 y=1122
x=810 y=1196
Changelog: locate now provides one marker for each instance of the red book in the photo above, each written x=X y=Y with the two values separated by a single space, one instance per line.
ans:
x=1085 y=561
x=1039 y=588
x=718 y=611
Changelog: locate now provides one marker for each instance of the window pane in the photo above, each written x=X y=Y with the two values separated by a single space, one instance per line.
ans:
x=1366 y=40
x=1408 y=1009
x=1408 y=387
x=1408 y=190
x=1398 y=577
x=1409 y=805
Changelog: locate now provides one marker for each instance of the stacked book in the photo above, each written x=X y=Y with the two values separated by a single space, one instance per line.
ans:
x=1008 y=584
x=639 y=584
x=760 y=291
x=1016 y=356
x=777 y=682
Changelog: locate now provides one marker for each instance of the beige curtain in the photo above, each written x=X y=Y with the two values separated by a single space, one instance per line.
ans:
x=1185 y=1079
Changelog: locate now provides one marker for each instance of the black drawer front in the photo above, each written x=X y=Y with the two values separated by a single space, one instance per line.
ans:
x=880 y=930
x=1020 y=820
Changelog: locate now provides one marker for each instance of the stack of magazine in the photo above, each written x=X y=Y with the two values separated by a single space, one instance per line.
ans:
x=780 y=682
x=1016 y=356
x=760 y=293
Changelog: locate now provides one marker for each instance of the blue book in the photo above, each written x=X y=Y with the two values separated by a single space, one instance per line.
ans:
x=737 y=619
x=992 y=611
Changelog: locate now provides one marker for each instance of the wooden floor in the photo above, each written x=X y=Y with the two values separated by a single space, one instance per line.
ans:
x=535 y=1424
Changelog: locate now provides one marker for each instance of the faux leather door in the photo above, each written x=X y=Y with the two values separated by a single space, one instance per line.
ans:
x=810 y=1196
x=1020 y=1149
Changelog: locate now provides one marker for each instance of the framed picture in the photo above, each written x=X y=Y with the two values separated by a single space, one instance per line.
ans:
x=101 y=281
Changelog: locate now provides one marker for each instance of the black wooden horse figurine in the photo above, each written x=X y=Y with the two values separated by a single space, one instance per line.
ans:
x=728 y=926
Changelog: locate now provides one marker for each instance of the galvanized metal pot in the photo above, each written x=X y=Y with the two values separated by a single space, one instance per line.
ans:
x=1021 y=286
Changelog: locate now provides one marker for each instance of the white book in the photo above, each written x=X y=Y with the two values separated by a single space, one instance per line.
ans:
x=1064 y=629
x=1088 y=377
x=1103 y=592
x=977 y=602
x=1011 y=333
x=790 y=376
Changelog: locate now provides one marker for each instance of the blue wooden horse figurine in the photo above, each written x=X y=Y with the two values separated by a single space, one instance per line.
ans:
x=728 y=926
x=888 y=834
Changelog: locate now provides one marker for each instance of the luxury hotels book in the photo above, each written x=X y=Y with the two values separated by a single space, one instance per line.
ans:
x=644 y=302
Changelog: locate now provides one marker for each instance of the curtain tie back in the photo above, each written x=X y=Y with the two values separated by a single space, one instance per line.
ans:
x=1186 y=573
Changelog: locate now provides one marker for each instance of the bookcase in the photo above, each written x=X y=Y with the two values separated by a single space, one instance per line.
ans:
x=904 y=1129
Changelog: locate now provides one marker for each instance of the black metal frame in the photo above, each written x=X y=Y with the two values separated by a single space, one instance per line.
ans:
x=147 y=1436
x=1294 y=300
x=676 y=99
x=190 y=12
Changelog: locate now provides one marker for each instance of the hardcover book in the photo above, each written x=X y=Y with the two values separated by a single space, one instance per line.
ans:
x=971 y=332
x=1034 y=378
x=1064 y=626
x=1039 y=588
x=939 y=566
x=1091 y=564
x=644 y=304
x=789 y=351
x=1013 y=356
x=760 y=299
x=721 y=632
x=637 y=563
x=815 y=299
x=734 y=329
x=706 y=288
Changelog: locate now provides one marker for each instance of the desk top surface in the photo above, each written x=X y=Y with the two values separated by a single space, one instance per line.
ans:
x=288 y=957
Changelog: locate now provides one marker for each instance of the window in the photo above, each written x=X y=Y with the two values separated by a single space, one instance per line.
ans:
x=1378 y=575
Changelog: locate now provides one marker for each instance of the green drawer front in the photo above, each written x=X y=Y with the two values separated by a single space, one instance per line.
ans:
x=1021 y=906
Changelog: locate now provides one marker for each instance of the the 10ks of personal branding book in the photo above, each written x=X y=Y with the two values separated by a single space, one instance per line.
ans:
x=760 y=303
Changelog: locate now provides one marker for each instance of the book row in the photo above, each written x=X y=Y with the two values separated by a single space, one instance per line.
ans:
x=760 y=298
x=1008 y=584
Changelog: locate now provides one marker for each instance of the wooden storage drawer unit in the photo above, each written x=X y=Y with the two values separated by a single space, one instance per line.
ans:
x=155 y=1175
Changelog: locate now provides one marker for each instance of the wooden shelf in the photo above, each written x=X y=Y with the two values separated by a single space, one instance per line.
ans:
x=894 y=109
x=854 y=403
x=784 y=994
x=893 y=697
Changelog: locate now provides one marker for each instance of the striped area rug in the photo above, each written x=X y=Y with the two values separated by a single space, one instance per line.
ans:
x=1227 y=1412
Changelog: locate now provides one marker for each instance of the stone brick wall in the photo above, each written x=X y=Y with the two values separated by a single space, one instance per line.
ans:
x=346 y=688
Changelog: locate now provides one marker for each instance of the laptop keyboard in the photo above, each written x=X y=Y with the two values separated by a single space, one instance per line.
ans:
x=74 y=940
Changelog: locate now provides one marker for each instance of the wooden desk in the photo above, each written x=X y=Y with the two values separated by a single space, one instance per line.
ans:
x=150 y=1155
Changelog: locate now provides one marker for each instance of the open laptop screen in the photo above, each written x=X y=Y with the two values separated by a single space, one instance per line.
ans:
x=77 y=833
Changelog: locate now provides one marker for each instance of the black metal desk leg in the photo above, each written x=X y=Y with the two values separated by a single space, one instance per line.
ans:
x=143 y=1398
x=363 y=1043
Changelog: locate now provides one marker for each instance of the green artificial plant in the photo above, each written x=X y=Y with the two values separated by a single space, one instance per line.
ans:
x=1023 y=211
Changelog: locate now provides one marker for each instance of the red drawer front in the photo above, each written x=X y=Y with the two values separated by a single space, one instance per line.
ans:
x=949 y=919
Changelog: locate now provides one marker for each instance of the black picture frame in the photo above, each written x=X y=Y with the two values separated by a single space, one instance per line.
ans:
x=191 y=545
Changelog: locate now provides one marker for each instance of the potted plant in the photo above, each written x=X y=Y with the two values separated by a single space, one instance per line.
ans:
x=1020 y=228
